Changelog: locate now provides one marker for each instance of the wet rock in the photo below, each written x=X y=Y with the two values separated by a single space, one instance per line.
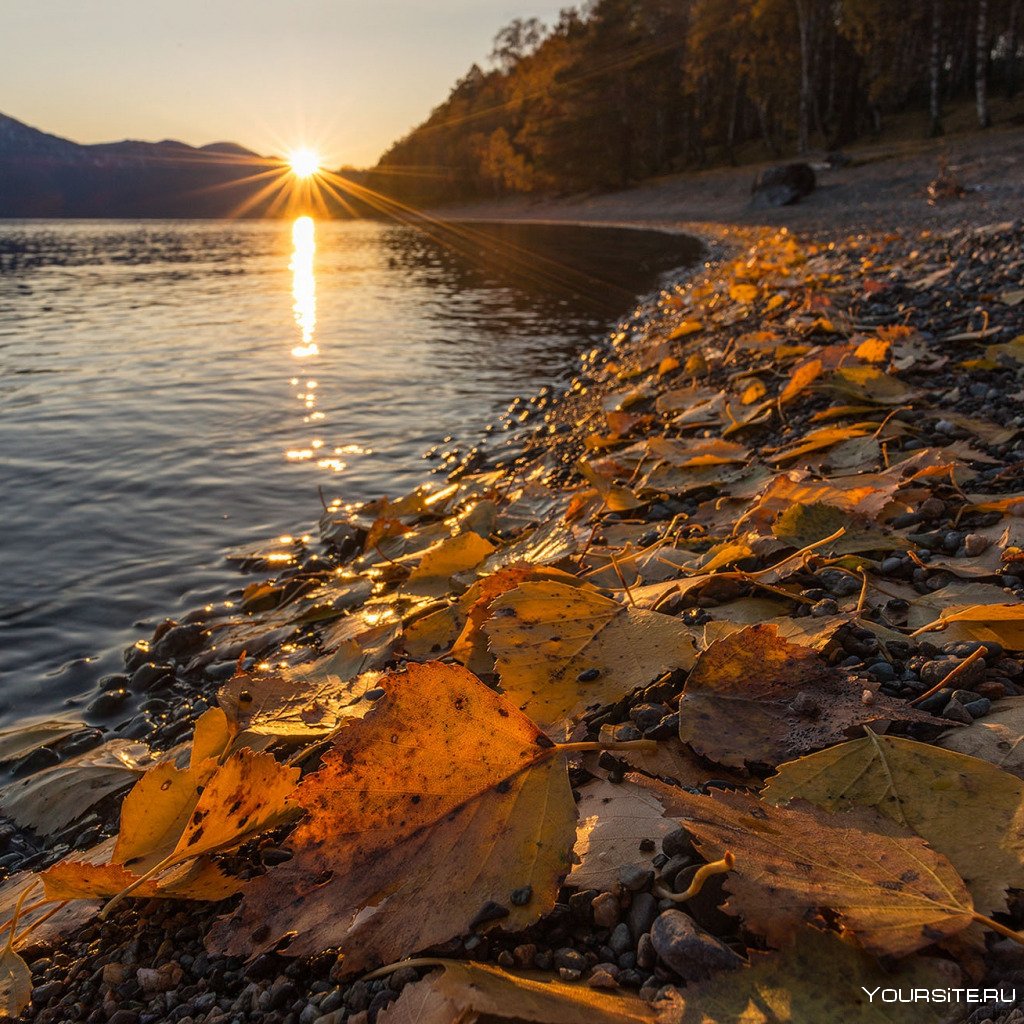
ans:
x=678 y=843
x=683 y=946
x=151 y=676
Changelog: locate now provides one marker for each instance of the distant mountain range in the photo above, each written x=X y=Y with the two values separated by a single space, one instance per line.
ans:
x=43 y=175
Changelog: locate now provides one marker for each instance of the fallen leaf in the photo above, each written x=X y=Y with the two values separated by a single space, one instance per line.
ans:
x=426 y=816
x=803 y=525
x=464 y=990
x=442 y=561
x=15 y=984
x=614 y=819
x=824 y=437
x=559 y=650
x=889 y=888
x=997 y=738
x=296 y=704
x=964 y=807
x=753 y=697
x=819 y=979
x=51 y=799
x=800 y=380
x=22 y=739
x=80 y=877
x=154 y=814
x=999 y=623
x=870 y=384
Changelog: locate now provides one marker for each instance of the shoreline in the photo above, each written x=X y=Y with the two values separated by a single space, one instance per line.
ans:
x=269 y=989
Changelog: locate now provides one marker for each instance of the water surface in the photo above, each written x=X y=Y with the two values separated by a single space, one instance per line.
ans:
x=173 y=390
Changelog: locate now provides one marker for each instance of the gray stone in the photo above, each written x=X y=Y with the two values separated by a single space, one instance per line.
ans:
x=683 y=946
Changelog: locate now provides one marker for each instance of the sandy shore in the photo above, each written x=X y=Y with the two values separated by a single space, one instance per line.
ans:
x=881 y=188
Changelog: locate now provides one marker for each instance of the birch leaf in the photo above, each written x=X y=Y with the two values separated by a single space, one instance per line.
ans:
x=965 y=808
x=560 y=650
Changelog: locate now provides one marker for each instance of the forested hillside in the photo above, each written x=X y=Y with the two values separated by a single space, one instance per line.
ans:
x=620 y=90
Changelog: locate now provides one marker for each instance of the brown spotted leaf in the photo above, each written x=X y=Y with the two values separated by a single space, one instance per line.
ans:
x=965 y=808
x=425 y=818
x=753 y=697
x=891 y=890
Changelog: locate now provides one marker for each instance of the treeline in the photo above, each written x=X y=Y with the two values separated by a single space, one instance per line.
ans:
x=620 y=90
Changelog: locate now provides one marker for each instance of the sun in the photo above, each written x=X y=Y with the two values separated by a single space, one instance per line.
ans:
x=303 y=162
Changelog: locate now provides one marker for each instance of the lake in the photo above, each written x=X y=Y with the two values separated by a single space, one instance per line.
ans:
x=171 y=391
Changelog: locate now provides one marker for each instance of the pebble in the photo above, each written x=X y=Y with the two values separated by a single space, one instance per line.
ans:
x=956 y=712
x=605 y=909
x=978 y=708
x=678 y=843
x=642 y=912
x=687 y=949
x=634 y=877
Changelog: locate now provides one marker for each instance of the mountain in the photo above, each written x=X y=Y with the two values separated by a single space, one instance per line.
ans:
x=43 y=175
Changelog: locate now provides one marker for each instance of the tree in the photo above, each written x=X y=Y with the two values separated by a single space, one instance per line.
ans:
x=981 y=54
x=935 y=71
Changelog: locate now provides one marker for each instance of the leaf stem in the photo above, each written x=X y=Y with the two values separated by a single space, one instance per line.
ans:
x=415 y=962
x=952 y=674
x=1008 y=933
x=718 y=867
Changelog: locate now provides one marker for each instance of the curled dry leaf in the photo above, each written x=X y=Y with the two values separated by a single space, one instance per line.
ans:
x=817 y=980
x=442 y=810
x=77 y=878
x=173 y=816
x=753 y=697
x=464 y=991
x=614 y=819
x=559 y=649
x=889 y=888
x=964 y=807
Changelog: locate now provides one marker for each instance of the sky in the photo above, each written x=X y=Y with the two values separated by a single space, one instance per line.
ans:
x=345 y=77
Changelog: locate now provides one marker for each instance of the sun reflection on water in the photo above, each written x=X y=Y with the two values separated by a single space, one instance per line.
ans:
x=304 y=285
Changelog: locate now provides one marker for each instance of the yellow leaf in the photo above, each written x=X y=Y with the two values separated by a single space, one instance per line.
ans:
x=964 y=807
x=803 y=377
x=15 y=985
x=745 y=293
x=999 y=623
x=686 y=328
x=560 y=650
x=817 y=980
x=444 y=799
x=442 y=561
x=888 y=888
x=753 y=392
x=465 y=990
